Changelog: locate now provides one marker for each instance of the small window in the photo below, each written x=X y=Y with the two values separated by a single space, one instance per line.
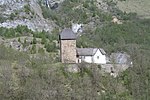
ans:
x=97 y=57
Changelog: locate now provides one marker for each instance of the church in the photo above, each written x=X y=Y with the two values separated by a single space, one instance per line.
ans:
x=69 y=53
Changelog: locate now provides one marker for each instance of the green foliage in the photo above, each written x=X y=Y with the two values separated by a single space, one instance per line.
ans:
x=25 y=43
x=111 y=3
x=2 y=19
x=27 y=8
x=33 y=75
x=53 y=37
x=133 y=37
x=126 y=78
x=84 y=42
x=11 y=55
x=48 y=13
x=118 y=36
x=41 y=50
x=12 y=16
x=86 y=4
x=48 y=39
x=33 y=49
x=43 y=40
x=50 y=47
x=45 y=36
x=34 y=40
x=72 y=11
x=19 y=40
x=40 y=34
x=41 y=77
x=129 y=16
x=18 y=31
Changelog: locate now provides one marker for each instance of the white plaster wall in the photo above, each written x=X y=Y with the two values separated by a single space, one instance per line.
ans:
x=88 y=59
x=99 y=58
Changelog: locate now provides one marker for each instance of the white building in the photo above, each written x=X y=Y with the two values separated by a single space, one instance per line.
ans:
x=91 y=55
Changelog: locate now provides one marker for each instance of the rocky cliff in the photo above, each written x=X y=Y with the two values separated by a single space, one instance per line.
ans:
x=23 y=12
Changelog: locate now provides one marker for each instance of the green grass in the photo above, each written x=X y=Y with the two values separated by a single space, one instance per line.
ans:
x=141 y=7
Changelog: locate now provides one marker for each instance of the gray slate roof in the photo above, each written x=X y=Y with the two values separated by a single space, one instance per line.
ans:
x=102 y=51
x=67 y=34
x=89 y=51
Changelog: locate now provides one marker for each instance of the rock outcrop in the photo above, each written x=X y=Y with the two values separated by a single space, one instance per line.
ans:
x=24 y=12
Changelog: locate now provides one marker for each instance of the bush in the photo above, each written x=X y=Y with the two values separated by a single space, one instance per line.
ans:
x=12 y=16
x=15 y=32
x=50 y=47
x=2 y=19
x=27 y=8
x=85 y=4
x=19 y=40
x=33 y=49
x=41 y=50
x=43 y=40
x=34 y=40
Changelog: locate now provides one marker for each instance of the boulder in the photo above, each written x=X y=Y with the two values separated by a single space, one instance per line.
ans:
x=73 y=68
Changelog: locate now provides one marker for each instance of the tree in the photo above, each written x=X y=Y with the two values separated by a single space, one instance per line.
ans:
x=43 y=40
x=50 y=47
x=34 y=40
x=19 y=40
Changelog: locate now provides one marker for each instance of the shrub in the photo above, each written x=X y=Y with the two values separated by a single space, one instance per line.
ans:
x=50 y=47
x=2 y=19
x=41 y=50
x=33 y=49
x=43 y=40
x=19 y=40
x=34 y=40
x=27 y=8
x=12 y=16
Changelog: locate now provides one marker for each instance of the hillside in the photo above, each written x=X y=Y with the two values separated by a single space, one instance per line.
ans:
x=141 y=7
x=23 y=12
x=30 y=67
x=40 y=78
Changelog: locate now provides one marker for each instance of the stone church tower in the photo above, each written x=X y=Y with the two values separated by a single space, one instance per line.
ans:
x=68 y=46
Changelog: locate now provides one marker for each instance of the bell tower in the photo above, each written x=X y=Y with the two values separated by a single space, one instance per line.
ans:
x=67 y=46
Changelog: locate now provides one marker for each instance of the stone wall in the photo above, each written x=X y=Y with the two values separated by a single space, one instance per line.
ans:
x=68 y=51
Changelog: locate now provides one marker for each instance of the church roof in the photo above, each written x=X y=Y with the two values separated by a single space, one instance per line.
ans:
x=67 y=34
x=89 y=51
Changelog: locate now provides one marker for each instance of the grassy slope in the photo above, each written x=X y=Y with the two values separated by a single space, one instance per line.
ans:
x=141 y=7
x=23 y=78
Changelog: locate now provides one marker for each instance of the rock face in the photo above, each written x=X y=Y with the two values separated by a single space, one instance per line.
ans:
x=120 y=58
x=77 y=28
x=52 y=3
x=9 y=6
x=5 y=2
x=73 y=68
x=24 y=12
x=102 y=5
x=33 y=24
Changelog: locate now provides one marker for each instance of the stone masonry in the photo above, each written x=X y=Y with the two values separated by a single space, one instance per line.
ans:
x=68 y=51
